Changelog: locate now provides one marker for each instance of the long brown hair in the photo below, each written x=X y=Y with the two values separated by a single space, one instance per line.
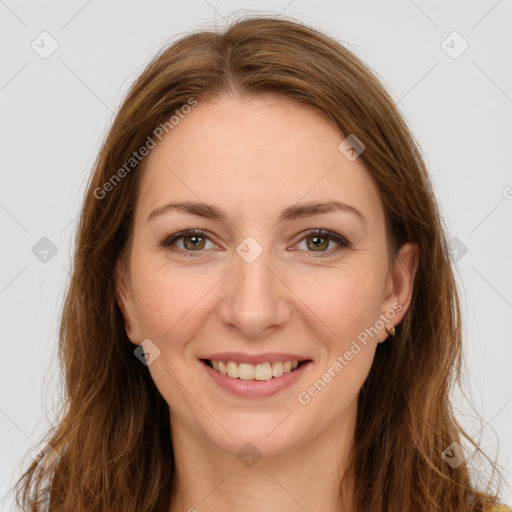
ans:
x=112 y=446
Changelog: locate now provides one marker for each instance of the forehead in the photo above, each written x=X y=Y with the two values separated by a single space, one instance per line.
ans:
x=256 y=155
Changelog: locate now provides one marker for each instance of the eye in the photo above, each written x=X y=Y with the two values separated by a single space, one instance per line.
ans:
x=194 y=240
x=318 y=241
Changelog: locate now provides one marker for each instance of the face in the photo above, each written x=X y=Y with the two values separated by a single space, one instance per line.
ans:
x=258 y=284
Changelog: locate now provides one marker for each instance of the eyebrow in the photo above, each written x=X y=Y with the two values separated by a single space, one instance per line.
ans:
x=290 y=213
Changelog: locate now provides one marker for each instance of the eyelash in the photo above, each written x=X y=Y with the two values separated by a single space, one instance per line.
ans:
x=330 y=235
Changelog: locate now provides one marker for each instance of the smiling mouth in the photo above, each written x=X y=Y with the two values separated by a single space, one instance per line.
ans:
x=262 y=371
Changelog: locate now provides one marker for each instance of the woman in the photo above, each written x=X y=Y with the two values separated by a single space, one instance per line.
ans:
x=214 y=360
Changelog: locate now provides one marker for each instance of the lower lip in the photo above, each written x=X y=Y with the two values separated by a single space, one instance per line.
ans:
x=251 y=388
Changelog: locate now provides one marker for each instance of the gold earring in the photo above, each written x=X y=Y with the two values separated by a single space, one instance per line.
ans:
x=390 y=329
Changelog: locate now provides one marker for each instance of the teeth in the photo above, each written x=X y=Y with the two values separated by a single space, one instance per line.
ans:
x=263 y=371
x=277 y=369
x=245 y=371
x=232 y=369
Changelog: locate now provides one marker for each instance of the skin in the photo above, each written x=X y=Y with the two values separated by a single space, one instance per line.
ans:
x=253 y=158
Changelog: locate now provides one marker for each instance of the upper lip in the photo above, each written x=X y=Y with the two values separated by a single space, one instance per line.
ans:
x=240 y=357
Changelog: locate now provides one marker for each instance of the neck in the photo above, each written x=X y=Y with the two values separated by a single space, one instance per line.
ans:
x=305 y=477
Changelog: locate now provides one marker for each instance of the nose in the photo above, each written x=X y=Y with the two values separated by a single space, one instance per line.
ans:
x=255 y=297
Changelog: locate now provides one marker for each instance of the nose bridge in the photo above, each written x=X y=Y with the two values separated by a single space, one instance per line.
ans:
x=255 y=298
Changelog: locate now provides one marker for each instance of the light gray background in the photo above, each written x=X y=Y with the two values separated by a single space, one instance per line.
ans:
x=55 y=111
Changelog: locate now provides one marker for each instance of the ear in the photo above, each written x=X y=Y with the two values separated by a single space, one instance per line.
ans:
x=399 y=286
x=124 y=298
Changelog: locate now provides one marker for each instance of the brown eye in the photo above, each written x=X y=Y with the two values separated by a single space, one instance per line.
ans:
x=318 y=241
x=192 y=242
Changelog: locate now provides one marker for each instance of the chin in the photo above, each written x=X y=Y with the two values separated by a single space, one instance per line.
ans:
x=266 y=435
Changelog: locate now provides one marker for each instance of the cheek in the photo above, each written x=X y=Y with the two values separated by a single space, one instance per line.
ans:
x=347 y=300
x=167 y=300
x=350 y=308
